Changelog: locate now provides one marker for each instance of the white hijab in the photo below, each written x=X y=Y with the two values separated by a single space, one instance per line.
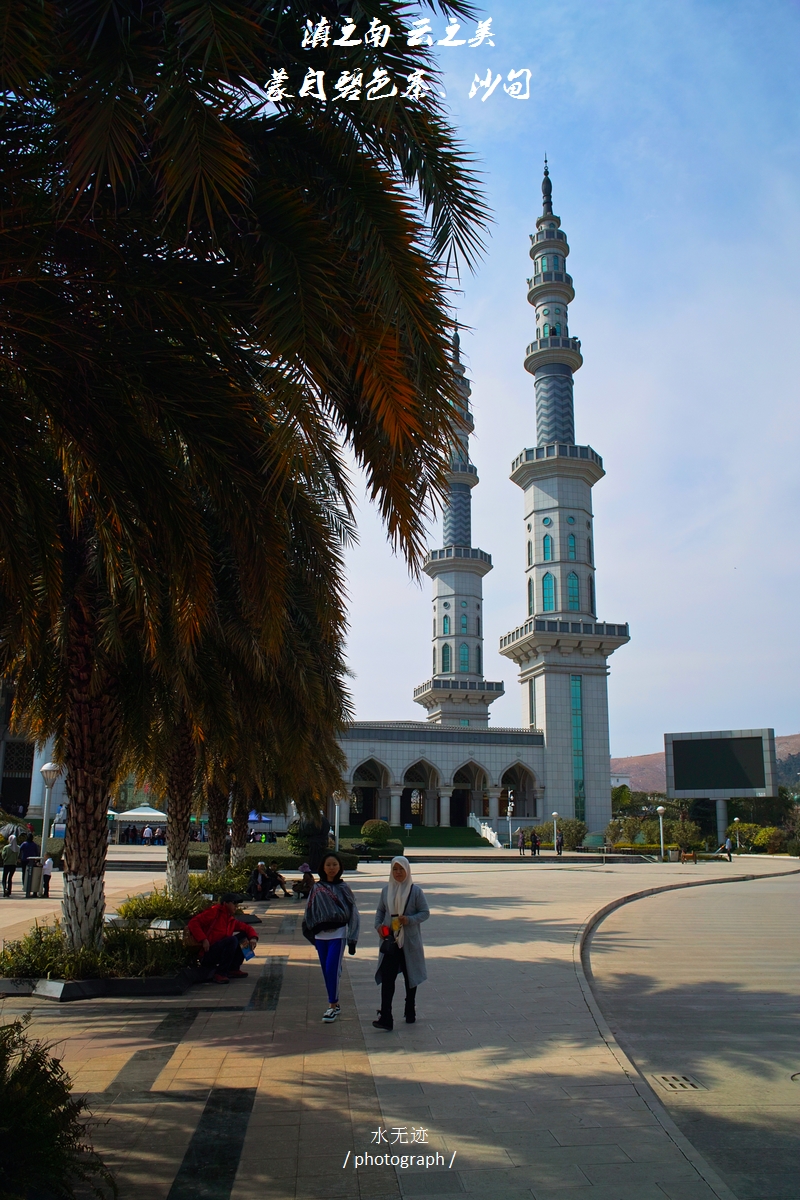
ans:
x=397 y=894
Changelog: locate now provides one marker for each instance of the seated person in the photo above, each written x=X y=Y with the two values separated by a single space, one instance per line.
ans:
x=303 y=886
x=223 y=939
x=279 y=879
x=262 y=883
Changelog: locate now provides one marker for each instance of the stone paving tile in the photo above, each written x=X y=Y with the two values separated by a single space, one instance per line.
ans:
x=506 y=1063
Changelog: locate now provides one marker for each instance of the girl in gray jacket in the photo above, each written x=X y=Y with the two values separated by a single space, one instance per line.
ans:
x=401 y=910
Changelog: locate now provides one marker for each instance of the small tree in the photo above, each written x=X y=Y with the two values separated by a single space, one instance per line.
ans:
x=376 y=833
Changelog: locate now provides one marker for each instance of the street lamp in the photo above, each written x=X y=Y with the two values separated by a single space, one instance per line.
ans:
x=555 y=828
x=736 y=823
x=510 y=811
x=50 y=773
x=661 y=810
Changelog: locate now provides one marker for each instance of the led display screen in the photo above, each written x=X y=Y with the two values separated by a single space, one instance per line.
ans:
x=707 y=764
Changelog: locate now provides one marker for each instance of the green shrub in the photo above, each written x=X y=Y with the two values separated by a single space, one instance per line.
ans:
x=574 y=832
x=160 y=905
x=793 y=848
x=44 y=1127
x=297 y=839
x=376 y=833
x=771 y=839
x=44 y=954
x=746 y=830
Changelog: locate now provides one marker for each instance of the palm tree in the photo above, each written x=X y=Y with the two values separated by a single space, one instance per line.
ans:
x=201 y=291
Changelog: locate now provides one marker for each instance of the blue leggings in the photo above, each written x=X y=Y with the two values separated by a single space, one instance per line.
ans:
x=331 y=956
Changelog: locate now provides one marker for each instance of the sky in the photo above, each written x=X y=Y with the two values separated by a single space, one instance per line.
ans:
x=672 y=132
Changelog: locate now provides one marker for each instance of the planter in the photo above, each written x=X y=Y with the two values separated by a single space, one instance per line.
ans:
x=65 y=990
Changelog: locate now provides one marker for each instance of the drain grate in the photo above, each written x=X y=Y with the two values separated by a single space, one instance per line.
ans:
x=679 y=1083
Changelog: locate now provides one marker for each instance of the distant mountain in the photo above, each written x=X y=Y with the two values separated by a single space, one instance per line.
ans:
x=648 y=773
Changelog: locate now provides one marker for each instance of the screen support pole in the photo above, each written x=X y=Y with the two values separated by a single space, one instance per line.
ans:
x=722 y=821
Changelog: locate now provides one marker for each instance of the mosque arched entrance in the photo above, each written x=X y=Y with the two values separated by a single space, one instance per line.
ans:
x=469 y=783
x=418 y=798
x=368 y=779
x=519 y=784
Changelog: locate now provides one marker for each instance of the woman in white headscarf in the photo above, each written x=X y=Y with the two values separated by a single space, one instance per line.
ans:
x=401 y=910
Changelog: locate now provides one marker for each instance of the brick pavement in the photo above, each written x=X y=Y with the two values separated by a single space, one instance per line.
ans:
x=242 y=1091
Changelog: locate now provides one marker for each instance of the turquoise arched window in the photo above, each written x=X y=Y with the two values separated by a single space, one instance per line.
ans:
x=530 y=554
x=478 y=662
x=555 y=262
x=446 y=652
x=548 y=548
x=546 y=331
x=434 y=660
x=571 y=548
x=445 y=626
x=544 y=263
x=463 y=622
x=591 y=596
x=558 y=328
x=573 y=592
x=463 y=657
x=549 y=593
x=530 y=597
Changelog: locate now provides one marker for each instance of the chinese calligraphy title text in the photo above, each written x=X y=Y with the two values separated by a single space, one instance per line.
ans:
x=350 y=85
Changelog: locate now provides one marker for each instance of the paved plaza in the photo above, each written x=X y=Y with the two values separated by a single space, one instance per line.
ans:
x=511 y=1076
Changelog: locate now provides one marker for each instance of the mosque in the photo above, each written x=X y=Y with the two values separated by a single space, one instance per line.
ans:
x=454 y=763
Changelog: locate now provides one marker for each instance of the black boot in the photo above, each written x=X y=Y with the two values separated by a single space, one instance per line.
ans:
x=384 y=1022
x=411 y=1006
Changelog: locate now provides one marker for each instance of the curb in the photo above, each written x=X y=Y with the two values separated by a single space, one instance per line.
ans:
x=65 y=990
x=583 y=971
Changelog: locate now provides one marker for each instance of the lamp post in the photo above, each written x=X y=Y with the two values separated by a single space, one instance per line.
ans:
x=510 y=811
x=50 y=773
x=555 y=829
x=736 y=823
x=661 y=810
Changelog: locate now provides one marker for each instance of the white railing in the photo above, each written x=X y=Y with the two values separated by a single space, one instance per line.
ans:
x=484 y=830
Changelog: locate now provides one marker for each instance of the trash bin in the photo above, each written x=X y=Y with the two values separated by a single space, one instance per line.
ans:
x=33 y=877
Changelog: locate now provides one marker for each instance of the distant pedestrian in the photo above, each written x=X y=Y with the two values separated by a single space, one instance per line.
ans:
x=401 y=910
x=559 y=843
x=147 y=835
x=27 y=851
x=726 y=848
x=10 y=858
x=302 y=887
x=47 y=874
x=521 y=843
x=535 y=844
x=331 y=918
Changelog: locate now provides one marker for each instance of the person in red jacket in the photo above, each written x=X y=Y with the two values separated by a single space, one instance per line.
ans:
x=224 y=940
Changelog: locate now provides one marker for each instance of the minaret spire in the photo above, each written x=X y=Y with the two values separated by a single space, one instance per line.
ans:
x=457 y=694
x=547 y=192
x=554 y=355
x=560 y=646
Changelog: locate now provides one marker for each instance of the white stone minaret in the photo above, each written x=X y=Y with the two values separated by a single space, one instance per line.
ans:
x=457 y=693
x=561 y=648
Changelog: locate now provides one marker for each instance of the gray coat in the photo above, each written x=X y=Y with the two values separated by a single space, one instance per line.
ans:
x=417 y=911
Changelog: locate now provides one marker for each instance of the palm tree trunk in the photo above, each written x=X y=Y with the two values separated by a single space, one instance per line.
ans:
x=90 y=756
x=239 y=810
x=217 y=827
x=181 y=768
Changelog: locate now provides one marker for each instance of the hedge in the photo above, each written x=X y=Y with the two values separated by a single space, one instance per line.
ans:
x=198 y=860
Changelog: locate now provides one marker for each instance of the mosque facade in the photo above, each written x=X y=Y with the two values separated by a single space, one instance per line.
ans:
x=440 y=770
